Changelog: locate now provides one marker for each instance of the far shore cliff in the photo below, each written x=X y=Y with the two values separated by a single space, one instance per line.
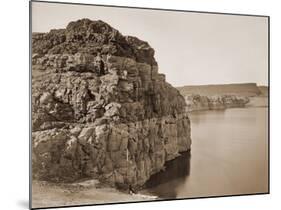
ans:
x=223 y=96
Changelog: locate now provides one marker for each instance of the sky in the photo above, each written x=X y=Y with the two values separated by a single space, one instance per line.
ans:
x=190 y=48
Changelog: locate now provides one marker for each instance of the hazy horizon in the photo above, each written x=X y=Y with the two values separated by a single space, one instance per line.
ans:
x=244 y=83
x=190 y=48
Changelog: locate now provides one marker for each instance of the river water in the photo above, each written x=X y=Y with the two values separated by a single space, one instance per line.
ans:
x=229 y=156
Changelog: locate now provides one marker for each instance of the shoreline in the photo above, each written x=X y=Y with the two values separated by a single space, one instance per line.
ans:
x=91 y=192
x=254 y=101
x=88 y=192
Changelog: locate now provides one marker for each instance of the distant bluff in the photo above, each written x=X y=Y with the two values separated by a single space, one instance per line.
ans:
x=100 y=109
x=236 y=89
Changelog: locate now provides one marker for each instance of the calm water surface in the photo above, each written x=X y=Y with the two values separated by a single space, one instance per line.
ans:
x=228 y=156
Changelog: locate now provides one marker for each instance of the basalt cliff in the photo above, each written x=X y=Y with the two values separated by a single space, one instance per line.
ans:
x=100 y=109
x=196 y=102
x=223 y=96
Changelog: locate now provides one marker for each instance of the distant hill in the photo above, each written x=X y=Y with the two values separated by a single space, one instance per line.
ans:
x=263 y=90
x=242 y=89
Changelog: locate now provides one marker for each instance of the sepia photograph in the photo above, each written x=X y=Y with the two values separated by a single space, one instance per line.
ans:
x=138 y=104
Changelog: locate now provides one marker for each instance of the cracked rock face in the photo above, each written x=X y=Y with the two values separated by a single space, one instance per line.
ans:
x=100 y=108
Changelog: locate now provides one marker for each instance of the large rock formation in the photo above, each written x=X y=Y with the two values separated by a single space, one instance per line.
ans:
x=100 y=108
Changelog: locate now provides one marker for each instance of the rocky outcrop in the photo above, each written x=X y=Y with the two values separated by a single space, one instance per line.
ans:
x=264 y=91
x=100 y=108
x=197 y=102
x=261 y=100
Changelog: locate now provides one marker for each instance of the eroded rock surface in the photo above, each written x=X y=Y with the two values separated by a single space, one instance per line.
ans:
x=100 y=108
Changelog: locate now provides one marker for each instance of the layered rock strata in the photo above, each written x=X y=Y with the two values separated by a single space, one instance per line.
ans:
x=236 y=89
x=100 y=109
x=196 y=102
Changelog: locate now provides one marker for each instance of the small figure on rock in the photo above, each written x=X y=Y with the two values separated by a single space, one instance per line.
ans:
x=124 y=74
x=99 y=65
x=108 y=56
x=131 y=190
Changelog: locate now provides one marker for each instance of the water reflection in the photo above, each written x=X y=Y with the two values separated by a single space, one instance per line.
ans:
x=202 y=116
x=229 y=156
x=176 y=171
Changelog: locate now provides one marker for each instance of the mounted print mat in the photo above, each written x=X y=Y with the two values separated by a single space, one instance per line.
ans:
x=136 y=104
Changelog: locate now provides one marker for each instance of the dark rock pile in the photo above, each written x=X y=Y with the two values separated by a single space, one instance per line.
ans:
x=100 y=108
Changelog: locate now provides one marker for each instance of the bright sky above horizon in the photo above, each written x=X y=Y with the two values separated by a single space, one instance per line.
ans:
x=190 y=48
